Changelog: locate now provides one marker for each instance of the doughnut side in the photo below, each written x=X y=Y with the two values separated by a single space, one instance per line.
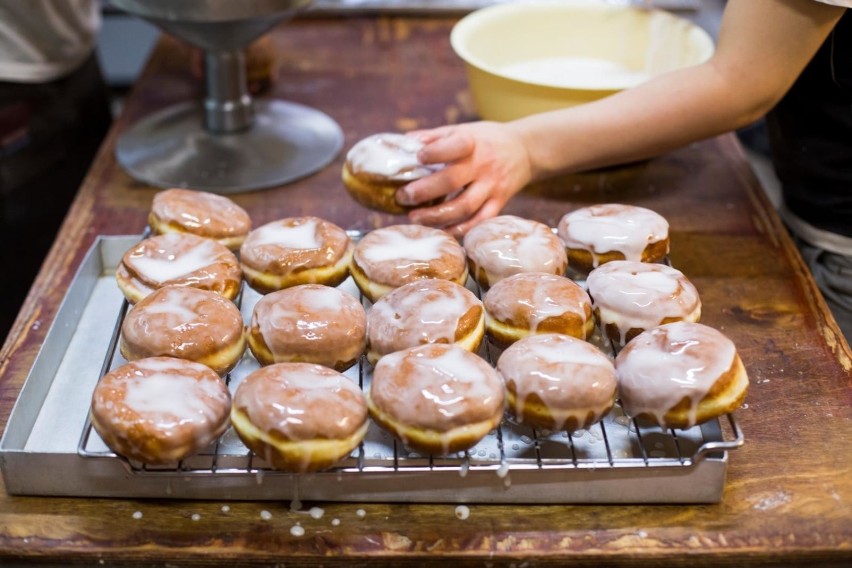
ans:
x=435 y=442
x=162 y=226
x=726 y=395
x=334 y=358
x=622 y=337
x=373 y=192
x=585 y=261
x=221 y=360
x=266 y=282
x=294 y=455
x=534 y=412
x=147 y=446
x=505 y=333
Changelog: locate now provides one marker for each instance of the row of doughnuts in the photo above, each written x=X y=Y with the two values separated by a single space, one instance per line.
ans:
x=422 y=247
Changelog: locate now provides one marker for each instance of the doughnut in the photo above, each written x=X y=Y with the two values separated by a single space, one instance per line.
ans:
x=530 y=303
x=380 y=164
x=310 y=323
x=680 y=374
x=199 y=213
x=556 y=382
x=387 y=258
x=299 y=417
x=630 y=297
x=187 y=323
x=160 y=410
x=421 y=312
x=601 y=233
x=436 y=398
x=507 y=245
x=177 y=259
x=293 y=251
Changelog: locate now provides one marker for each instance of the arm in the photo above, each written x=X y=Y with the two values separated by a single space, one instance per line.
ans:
x=763 y=47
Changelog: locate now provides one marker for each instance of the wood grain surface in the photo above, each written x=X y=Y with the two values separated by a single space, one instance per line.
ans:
x=788 y=498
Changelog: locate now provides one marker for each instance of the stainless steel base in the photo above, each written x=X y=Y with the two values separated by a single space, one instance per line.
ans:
x=287 y=141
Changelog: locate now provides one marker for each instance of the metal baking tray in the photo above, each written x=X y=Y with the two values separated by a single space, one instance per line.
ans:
x=453 y=7
x=49 y=447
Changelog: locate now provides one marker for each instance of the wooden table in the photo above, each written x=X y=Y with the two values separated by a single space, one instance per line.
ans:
x=788 y=498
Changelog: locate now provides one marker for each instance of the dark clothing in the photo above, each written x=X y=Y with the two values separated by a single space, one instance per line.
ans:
x=810 y=134
x=49 y=134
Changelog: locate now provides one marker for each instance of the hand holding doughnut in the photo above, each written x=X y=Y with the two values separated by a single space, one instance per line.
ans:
x=486 y=163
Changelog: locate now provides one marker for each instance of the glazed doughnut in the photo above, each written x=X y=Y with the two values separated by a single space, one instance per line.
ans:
x=160 y=410
x=297 y=250
x=390 y=257
x=176 y=259
x=680 y=374
x=507 y=245
x=199 y=213
x=299 y=417
x=380 y=164
x=187 y=323
x=310 y=323
x=436 y=398
x=600 y=233
x=557 y=382
x=530 y=303
x=421 y=312
x=630 y=297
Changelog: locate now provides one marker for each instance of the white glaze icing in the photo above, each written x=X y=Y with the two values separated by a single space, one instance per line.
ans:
x=302 y=401
x=297 y=236
x=390 y=155
x=533 y=297
x=571 y=377
x=640 y=295
x=313 y=320
x=507 y=245
x=599 y=229
x=437 y=387
x=210 y=213
x=169 y=265
x=662 y=366
x=425 y=311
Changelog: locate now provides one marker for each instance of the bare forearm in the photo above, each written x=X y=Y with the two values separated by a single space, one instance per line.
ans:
x=733 y=89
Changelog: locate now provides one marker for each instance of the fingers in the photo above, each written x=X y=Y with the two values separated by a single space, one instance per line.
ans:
x=453 y=211
x=456 y=145
x=441 y=183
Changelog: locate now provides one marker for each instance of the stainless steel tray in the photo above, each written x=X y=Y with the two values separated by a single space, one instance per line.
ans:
x=49 y=448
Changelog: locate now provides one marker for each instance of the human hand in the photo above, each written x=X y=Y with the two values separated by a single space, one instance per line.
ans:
x=486 y=163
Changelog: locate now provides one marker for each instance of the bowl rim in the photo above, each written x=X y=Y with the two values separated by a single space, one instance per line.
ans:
x=497 y=11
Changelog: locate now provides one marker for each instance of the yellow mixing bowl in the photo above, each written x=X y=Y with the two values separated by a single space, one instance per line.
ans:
x=529 y=57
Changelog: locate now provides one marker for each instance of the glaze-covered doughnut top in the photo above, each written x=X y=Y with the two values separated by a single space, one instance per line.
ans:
x=436 y=387
x=640 y=294
x=613 y=227
x=288 y=245
x=310 y=319
x=662 y=366
x=388 y=155
x=569 y=376
x=400 y=254
x=181 y=259
x=507 y=245
x=425 y=311
x=201 y=213
x=173 y=397
x=301 y=401
x=529 y=298
x=182 y=322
